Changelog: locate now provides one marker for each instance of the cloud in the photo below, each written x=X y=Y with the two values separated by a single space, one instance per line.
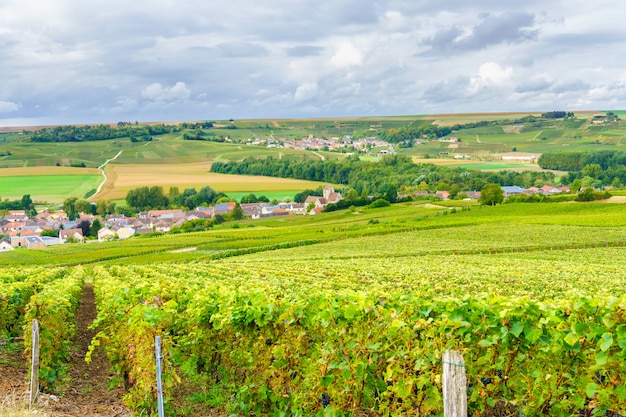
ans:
x=513 y=27
x=305 y=91
x=156 y=92
x=347 y=55
x=241 y=50
x=570 y=86
x=489 y=74
x=9 y=107
x=533 y=85
x=304 y=50
x=187 y=60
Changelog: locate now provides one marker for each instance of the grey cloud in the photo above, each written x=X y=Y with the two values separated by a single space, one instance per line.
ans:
x=570 y=86
x=533 y=85
x=491 y=30
x=421 y=7
x=83 y=62
x=304 y=50
x=444 y=91
x=241 y=50
x=9 y=107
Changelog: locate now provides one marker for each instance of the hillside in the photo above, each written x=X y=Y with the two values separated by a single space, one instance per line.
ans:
x=474 y=141
x=542 y=259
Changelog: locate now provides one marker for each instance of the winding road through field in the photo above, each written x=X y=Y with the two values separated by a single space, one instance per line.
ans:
x=322 y=157
x=101 y=168
x=104 y=175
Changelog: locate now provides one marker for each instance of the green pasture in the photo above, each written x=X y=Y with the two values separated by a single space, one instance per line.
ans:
x=51 y=188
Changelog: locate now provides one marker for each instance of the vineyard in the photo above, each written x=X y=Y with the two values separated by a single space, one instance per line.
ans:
x=343 y=315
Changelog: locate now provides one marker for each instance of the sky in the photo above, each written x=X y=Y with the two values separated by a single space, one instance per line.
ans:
x=105 y=61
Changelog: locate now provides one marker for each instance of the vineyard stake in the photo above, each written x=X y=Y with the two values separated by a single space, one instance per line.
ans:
x=158 y=356
x=454 y=384
x=34 y=373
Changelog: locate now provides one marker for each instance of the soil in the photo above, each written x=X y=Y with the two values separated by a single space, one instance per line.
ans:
x=87 y=392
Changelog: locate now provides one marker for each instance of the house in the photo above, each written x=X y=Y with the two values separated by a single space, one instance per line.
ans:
x=204 y=212
x=5 y=245
x=165 y=214
x=224 y=208
x=330 y=196
x=105 y=234
x=319 y=202
x=513 y=190
x=444 y=195
x=252 y=210
x=296 y=208
x=474 y=195
x=125 y=232
x=76 y=234
x=50 y=241
x=33 y=242
x=16 y=216
x=163 y=225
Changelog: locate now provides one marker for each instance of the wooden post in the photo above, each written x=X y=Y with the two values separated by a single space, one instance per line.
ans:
x=157 y=352
x=454 y=384
x=34 y=368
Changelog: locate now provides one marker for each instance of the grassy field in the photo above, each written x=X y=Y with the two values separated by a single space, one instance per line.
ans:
x=51 y=184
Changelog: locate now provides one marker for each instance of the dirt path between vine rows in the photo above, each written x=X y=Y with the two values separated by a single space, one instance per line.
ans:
x=87 y=392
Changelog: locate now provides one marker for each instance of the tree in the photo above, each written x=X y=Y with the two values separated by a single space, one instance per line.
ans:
x=491 y=194
x=69 y=207
x=237 y=213
x=85 y=226
x=104 y=207
x=95 y=227
x=83 y=206
x=147 y=198
x=249 y=199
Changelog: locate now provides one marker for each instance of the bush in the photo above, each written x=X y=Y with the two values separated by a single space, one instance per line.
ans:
x=379 y=203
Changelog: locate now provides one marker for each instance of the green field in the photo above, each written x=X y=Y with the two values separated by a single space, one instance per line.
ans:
x=50 y=188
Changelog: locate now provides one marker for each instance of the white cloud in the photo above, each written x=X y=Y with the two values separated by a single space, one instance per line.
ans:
x=305 y=91
x=9 y=107
x=156 y=92
x=347 y=55
x=489 y=74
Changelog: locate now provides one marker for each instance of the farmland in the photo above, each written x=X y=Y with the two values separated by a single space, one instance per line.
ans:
x=341 y=313
x=47 y=183
x=124 y=177
x=483 y=145
x=332 y=304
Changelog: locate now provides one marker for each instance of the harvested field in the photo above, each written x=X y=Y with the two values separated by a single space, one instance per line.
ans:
x=123 y=178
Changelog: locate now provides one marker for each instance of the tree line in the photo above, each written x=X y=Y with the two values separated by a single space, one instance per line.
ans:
x=99 y=132
x=393 y=172
x=577 y=160
x=587 y=168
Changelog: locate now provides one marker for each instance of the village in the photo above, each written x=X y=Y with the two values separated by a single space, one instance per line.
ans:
x=312 y=142
x=55 y=228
